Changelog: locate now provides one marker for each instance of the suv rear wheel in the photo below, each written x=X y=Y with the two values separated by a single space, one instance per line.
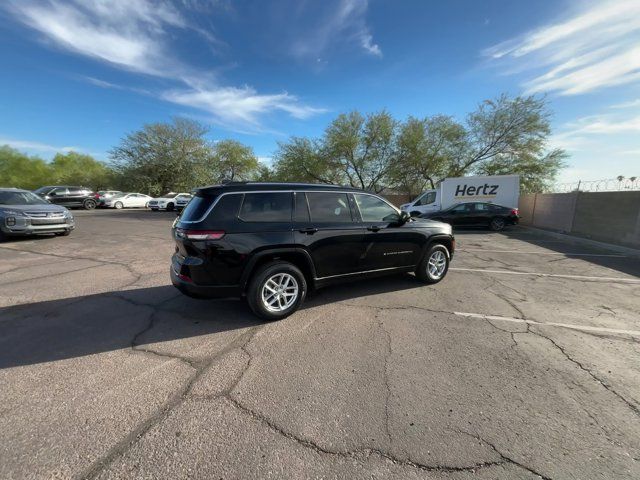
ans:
x=89 y=204
x=434 y=265
x=276 y=290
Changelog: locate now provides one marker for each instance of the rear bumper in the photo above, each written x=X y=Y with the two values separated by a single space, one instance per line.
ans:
x=204 y=291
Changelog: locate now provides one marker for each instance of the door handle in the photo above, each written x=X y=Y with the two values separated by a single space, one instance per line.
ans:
x=373 y=228
x=308 y=231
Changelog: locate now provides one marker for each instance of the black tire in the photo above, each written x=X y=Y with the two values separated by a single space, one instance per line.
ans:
x=497 y=224
x=89 y=204
x=170 y=207
x=118 y=205
x=434 y=255
x=66 y=233
x=257 y=285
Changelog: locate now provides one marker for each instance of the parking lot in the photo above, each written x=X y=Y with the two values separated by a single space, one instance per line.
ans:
x=522 y=363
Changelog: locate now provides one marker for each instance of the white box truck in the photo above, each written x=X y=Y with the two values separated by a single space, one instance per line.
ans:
x=498 y=189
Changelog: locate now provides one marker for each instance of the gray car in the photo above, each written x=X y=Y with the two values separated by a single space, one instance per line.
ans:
x=24 y=213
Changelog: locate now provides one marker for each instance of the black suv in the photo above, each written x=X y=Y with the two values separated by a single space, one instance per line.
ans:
x=272 y=242
x=69 y=196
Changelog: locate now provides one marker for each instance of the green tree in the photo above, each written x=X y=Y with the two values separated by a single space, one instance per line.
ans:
x=510 y=135
x=426 y=149
x=354 y=150
x=22 y=171
x=163 y=157
x=230 y=161
x=301 y=160
x=74 y=168
x=361 y=148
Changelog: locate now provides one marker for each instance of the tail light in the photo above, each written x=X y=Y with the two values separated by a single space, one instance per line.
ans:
x=514 y=212
x=96 y=195
x=200 y=235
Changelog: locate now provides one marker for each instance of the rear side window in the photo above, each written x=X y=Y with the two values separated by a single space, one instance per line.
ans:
x=266 y=207
x=197 y=208
x=329 y=207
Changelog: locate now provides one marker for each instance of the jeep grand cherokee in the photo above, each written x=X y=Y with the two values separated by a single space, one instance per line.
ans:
x=272 y=242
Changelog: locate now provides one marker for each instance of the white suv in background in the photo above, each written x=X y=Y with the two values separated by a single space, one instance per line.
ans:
x=169 y=201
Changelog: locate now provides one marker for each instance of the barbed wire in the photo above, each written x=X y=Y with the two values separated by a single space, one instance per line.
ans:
x=607 y=185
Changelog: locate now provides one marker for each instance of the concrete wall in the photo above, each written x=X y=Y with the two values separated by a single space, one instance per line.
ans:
x=612 y=217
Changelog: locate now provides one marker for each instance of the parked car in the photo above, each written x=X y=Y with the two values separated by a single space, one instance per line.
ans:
x=128 y=200
x=500 y=189
x=69 y=196
x=477 y=214
x=106 y=194
x=168 y=202
x=272 y=242
x=24 y=213
x=182 y=201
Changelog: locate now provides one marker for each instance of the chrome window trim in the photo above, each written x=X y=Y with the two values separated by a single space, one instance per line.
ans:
x=243 y=192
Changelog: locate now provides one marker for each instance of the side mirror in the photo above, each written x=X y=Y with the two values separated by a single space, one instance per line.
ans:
x=401 y=219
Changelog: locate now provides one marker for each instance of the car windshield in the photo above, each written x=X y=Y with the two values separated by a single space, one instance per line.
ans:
x=20 y=198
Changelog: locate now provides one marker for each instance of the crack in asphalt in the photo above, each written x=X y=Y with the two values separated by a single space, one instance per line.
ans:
x=503 y=456
x=137 y=275
x=385 y=372
x=361 y=451
x=630 y=404
x=175 y=400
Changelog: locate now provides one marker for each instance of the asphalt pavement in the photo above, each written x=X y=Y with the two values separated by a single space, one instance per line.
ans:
x=522 y=363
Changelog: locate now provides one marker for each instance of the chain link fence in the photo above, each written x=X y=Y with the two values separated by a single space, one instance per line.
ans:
x=618 y=184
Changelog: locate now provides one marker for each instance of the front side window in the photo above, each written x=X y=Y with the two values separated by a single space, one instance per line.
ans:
x=374 y=209
x=483 y=207
x=329 y=207
x=60 y=191
x=266 y=207
x=426 y=199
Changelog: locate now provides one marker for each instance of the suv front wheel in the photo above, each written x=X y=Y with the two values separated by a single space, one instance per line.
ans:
x=434 y=265
x=276 y=290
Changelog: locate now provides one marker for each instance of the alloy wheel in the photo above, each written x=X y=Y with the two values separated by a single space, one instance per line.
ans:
x=279 y=292
x=437 y=264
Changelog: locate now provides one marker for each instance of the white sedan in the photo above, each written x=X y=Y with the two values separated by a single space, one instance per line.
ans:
x=128 y=200
x=169 y=201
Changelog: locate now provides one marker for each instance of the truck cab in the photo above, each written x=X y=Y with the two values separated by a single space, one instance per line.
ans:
x=426 y=202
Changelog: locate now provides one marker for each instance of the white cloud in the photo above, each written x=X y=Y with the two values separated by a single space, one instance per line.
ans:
x=604 y=124
x=596 y=47
x=344 y=21
x=630 y=104
x=238 y=105
x=36 y=146
x=135 y=35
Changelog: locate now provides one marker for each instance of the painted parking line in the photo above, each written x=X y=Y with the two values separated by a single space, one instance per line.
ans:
x=556 y=275
x=540 y=253
x=586 y=328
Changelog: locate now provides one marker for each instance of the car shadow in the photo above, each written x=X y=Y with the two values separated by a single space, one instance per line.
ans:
x=603 y=257
x=55 y=330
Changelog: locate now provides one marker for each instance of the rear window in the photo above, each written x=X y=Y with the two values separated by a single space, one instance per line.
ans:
x=329 y=207
x=266 y=207
x=197 y=208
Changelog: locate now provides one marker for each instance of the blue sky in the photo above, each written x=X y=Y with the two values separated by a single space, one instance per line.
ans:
x=80 y=74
